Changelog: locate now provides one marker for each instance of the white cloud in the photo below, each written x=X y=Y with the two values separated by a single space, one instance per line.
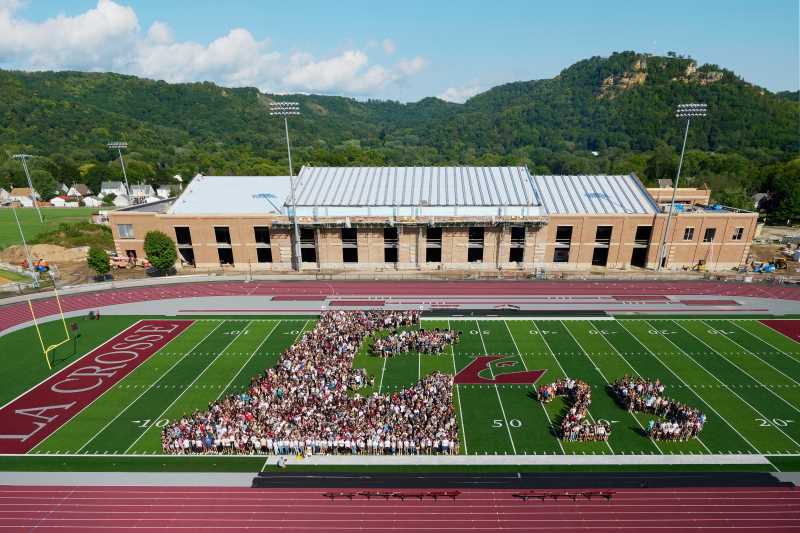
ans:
x=389 y=47
x=461 y=94
x=108 y=37
x=409 y=67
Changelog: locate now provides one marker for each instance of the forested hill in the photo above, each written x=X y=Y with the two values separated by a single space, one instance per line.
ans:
x=611 y=114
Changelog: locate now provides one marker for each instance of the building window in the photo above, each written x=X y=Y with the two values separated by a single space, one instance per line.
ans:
x=349 y=245
x=222 y=234
x=261 y=234
x=183 y=236
x=602 y=235
x=308 y=245
x=187 y=253
x=517 y=250
x=390 y=245
x=433 y=245
x=225 y=256
x=125 y=231
x=561 y=255
x=643 y=234
x=600 y=256
x=738 y=233
x=563 y=235
x=475 y=245
x=709 y=235
x=688 y=234
x=264 y=255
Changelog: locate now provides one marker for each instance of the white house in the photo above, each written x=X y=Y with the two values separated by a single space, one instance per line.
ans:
x=23 y=195
x=59 y=201
x=164 y=191
x=113 y=187
x=79 y=190
x=121 y=200
x=92 y=201
x=4 y=196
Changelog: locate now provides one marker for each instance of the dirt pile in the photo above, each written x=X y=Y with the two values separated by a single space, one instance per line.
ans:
x=49 y=252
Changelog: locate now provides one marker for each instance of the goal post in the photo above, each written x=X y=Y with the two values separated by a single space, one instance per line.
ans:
x=47 y=349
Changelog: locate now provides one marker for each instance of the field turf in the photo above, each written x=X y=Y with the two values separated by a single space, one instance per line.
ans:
x=741 y=373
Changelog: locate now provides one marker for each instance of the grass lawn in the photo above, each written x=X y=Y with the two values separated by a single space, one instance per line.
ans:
x=744 y=375
x=53 y=216
x=8 y=275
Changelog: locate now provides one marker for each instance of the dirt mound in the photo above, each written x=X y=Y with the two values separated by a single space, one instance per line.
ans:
x=50 y=252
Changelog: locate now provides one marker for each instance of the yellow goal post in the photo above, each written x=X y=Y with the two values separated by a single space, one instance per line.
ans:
x=46 y=350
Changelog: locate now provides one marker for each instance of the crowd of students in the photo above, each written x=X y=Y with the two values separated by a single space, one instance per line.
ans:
x=575 y=426
x=416 y=340
x=681 y=421
x=308 y=403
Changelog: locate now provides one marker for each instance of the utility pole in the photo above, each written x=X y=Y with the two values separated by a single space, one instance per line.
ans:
x=119 y=146
x=285 y=110
x=23 y=158
x=686 y=111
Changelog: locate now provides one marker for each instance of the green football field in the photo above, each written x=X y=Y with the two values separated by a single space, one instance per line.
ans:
x=741 y=373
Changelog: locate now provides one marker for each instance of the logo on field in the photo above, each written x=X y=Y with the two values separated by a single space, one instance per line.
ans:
x=471 y=374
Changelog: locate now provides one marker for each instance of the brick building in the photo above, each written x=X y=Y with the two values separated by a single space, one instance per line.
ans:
x=429 y=218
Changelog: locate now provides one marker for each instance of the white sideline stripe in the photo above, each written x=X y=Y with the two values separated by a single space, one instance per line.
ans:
x=525 y=366
x=85 y=444
x=189 y=386
x=78 y=360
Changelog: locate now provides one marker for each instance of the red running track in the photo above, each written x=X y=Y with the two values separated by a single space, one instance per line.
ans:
x=14 y=314
x=306 y=510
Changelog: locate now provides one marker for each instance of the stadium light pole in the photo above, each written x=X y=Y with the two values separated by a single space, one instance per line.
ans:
x=687 y=111
x=34 y=273
x=119 y=146
x=286 y=110
x=23 y=158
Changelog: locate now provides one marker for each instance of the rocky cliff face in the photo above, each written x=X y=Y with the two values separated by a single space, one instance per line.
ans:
x=637 y=74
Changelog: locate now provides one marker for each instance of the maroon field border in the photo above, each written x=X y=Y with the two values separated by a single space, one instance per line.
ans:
x=37 y=413
x=790 y=328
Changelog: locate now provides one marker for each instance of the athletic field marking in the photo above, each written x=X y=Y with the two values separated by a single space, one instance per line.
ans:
x=525 y=366
x=606 y=379
x=148 y=388
x=564 y=372
x=759 y=337
x=458 y=396
x=784 y=400
x=210 y=363
x=689 y=387
x=726 y=386
x=497 y=391
x=244 y=365
x=383 y=371
x=723 y=384
x=784 y=374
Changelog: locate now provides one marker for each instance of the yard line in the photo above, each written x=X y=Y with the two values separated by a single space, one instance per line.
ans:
x=525 y=366
x=762 y=339
x=686 y=384
x=383 y=371
x=248 y=359
x=606 y=379
x=496 y=390
x=740 y=368
x=723 y=384
x=151 y=385
x=458 y=396
x=189 y=386
x=542 y=336
x=755 y=354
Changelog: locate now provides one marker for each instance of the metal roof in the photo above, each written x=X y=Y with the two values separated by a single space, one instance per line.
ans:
x=416 y=186
x=227 y=195
x=594 y=195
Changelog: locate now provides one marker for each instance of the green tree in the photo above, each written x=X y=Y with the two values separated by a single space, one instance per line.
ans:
x=160 y=251
x=108 y=199
x=98 y=261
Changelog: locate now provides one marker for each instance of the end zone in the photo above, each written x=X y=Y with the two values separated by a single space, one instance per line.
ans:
x=37 y=413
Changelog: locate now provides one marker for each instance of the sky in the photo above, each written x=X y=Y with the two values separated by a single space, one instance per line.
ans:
x=401 y=50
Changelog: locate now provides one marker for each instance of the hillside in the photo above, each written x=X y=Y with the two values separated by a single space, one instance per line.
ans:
x=619 y=107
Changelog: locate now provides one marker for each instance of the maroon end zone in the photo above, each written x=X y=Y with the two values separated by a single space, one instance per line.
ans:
x=36 y=414
x=471 y=374
x=790 y=328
